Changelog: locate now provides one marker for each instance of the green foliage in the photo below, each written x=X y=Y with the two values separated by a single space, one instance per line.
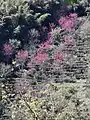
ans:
x=43 y=17
x=71 y=1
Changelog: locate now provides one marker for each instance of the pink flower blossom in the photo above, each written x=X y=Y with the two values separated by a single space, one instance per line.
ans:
x=68 y=25
x=22 y=55
x=52 y=26
x=41 y=57
x=68 y=22
x=73 y=16
x=58 y=56
x=44 y=46
x=49 y=37
x=69 y=40
x=7 y=48
x=62 y=20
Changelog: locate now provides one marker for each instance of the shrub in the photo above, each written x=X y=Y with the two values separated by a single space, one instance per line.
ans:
x=51 y=101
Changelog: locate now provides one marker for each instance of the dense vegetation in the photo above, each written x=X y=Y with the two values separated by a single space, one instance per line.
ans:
x=44 y=59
